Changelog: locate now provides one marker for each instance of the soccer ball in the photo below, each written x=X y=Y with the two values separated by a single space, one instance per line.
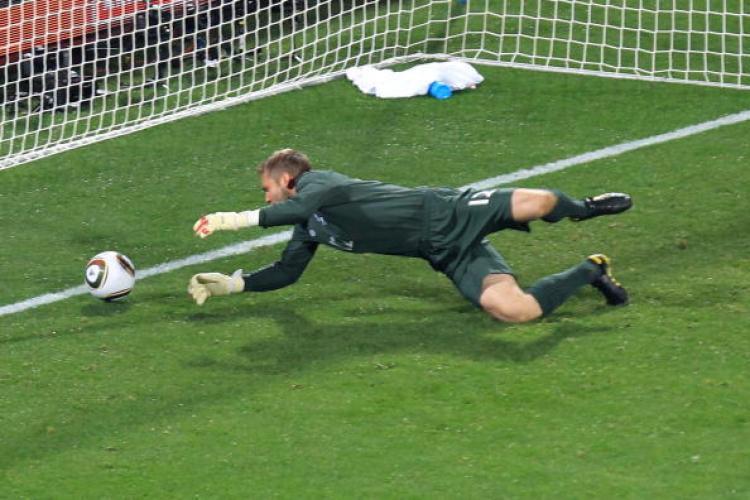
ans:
x=110 y=276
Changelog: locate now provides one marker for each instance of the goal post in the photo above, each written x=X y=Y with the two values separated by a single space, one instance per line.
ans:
x=73 y=72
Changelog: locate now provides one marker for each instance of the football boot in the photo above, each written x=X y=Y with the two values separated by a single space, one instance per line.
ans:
x=605 y=204
x=612 y=290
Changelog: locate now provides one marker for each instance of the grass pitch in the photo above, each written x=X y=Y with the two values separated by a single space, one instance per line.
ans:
x=371 y=377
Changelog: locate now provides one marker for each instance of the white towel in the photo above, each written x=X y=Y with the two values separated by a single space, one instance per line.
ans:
x=387 y=83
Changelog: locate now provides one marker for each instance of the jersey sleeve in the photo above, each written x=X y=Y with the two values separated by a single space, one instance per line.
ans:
x=311 y=195
x=286 y=271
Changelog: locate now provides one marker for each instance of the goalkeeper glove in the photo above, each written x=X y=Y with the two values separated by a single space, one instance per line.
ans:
x=223 y=221
x=205 y=285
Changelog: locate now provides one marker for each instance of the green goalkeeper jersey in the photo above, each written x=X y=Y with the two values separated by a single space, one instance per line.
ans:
x=345 y=213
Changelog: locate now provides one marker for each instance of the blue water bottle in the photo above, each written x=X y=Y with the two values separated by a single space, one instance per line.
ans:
x=439 y=90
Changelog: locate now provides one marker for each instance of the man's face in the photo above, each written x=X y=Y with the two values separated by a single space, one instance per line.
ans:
x=276 y=189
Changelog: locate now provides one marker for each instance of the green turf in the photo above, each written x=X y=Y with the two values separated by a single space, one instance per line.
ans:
x=372 y=377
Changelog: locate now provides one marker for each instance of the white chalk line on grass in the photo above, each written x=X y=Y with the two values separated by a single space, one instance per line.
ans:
x=227 y=251
x=526 y=173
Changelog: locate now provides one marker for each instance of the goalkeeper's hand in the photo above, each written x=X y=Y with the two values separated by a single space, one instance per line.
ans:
x=225 y=221
x=205 y=285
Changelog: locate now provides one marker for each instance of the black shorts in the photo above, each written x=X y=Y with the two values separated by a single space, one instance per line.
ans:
x=455 y=243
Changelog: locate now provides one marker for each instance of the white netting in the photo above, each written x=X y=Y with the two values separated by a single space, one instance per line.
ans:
x=77 y=71
x=691 y=41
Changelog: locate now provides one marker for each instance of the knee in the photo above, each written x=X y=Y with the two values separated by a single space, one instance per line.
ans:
x=547 y=202
x=544 y=202
x=509 y=313
x=533 y=204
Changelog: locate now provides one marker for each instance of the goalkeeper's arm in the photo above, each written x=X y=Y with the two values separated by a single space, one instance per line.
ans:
x=286 y=271
x=205 y=285
x=225 y=221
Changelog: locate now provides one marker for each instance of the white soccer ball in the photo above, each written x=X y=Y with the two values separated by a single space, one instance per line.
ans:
x=110 y=276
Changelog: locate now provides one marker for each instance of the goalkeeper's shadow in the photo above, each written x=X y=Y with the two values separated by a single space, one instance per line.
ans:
x=303 y=342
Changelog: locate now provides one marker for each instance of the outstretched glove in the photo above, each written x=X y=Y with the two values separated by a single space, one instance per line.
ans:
x=223 y=221
x=205 y=285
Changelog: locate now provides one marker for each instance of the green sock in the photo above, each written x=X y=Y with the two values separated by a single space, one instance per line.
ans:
x=566 y=207
x=551 y=291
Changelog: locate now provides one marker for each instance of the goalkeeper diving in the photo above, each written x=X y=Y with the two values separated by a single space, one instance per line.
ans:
x=446 y=227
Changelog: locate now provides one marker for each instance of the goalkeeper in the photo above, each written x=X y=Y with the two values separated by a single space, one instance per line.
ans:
x=446 y=227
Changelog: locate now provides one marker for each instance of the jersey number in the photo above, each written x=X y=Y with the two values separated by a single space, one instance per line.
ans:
x=481 y=197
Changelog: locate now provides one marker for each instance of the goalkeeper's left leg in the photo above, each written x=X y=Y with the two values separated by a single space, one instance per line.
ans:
x=587 y=208
x=554 y=205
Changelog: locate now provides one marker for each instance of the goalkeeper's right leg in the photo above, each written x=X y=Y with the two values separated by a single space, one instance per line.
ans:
x=612 y=290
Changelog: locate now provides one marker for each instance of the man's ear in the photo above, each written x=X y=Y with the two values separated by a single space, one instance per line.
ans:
x=287 y=180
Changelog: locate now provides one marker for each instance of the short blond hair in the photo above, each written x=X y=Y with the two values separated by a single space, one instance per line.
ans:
x=286 y=160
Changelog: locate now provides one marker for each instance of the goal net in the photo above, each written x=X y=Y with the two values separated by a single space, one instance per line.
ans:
x=74 y=72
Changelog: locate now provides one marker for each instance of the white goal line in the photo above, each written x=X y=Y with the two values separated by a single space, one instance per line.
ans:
x=273 y=239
